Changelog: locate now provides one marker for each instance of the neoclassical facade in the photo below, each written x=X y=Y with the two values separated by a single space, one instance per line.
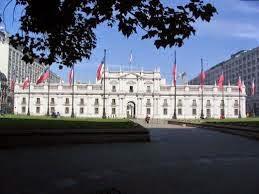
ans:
x=130 y=94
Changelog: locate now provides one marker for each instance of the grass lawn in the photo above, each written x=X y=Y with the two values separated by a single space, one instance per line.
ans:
x=43 y=122
x=252 y=122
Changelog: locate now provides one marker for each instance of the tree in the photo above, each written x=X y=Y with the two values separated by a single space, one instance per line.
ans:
x=63 y=31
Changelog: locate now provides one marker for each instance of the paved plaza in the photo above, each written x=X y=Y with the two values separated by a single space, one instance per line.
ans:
x=178 y=160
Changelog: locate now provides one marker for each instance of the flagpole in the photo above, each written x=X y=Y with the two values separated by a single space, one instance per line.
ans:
x=174 y=116
x=73 y=91
x=223 y=100
x=239 y=96
x=104 y=68
x=239 y=107
x=48 y=92
x=202 y=114
x=29 y=93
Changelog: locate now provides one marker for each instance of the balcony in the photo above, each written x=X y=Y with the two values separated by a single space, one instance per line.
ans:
x=52 y=103
x=165 y=104
x=148 y=104
x=208 y=105
x=179 y=104
x=194 y=104
x=67 y=103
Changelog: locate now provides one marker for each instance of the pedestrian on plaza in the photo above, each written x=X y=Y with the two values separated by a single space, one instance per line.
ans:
x=147 y=119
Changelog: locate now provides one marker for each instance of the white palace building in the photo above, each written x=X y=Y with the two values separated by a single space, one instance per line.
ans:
x=130 y=94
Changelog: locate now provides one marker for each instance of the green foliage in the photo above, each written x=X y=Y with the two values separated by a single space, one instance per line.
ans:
x=63 y=31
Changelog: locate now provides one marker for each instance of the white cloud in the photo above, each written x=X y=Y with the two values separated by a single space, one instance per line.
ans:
x=228 y=28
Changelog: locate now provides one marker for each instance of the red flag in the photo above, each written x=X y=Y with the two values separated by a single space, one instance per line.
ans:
x=221 y=81
x=43 y=76
x=100 y=71
x=253 y=88
x=239 y=84
x=71 y=76
x=202 y=78
x=174 y=74
x=26 y=83
x=13 y=83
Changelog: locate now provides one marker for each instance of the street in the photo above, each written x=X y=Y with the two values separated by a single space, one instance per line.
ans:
x=178 y=160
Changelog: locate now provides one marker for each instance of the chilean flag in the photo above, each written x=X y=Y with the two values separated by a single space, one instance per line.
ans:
x=202 y=78
x=100 y=70
x=44 y=76
x=71 y=75
x=221 y=81
x=13 y=82
x=253 y=88
x=26 y=83
x=239 y=84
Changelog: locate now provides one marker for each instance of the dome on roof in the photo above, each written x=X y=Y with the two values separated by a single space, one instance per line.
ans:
x=2 y=77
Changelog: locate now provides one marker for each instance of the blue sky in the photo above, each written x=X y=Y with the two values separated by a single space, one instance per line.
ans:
x=234 y=28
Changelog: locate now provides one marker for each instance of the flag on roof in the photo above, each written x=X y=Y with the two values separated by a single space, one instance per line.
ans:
x=44 y=76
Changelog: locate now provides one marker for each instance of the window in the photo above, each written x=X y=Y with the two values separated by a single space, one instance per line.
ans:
x=131 y=89
x=236 y=103
x=52 y=109
x=180 y=103
x=148 y=111
x=82 y=101
x=180 y=111
x=96 y=111
x=67 y=100
x=194 y=103
x=148 y=102
x=81 y=110
x=67 y=110
x=38 y=101
x=113 y=102
x=23 y=109
x=194 y=112
x=96 y=101
x=148 y=89
x=235 y=111
x=208 y=113
x=23 y=100
x=208 y=103
x=165 y=111
x=113 y=88
x=52 y=101
x=165 y=102
x=37 y=109
x=113 y=111
x=222 y=103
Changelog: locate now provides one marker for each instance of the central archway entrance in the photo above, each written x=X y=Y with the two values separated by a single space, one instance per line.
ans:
x=131 y=110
